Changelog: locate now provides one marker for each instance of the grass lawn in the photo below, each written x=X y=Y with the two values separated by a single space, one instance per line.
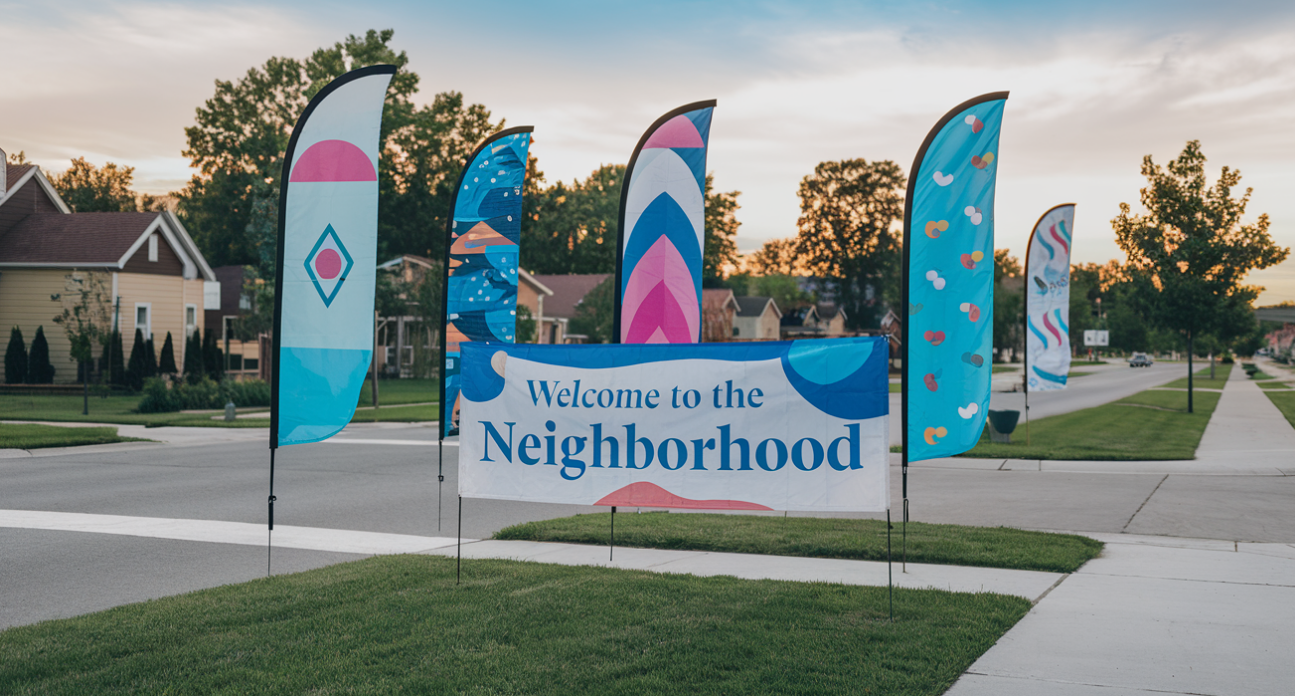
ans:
x=32 y=436
x=1260 y=376
x=1079 y=373
x=864 y=540
x=1150 y=425
x=1088 y=362
x=896 y=387
x=397 y=414
x=1202 y=379
x=398 y=624
x=113 y=409
x=1005 y=368
x=1275 y=385
x=395 y=392
x=1285 y=402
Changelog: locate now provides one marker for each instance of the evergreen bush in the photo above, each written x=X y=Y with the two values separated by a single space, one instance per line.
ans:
x=39 y=369
x=213 y=363
x=161 y=397
x=166 y=363
x=193 y=357
x=135 y=369
x=150 y=359
x=15 y=358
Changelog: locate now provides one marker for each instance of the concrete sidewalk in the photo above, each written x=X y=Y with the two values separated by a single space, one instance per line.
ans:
x=1247 y=430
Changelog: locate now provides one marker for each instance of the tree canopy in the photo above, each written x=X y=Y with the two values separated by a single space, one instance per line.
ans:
x=90 y=189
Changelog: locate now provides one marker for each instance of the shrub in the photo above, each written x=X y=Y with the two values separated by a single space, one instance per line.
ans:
x=39 y=369
x=136 y=369
x=161 y=397
x=15 y=358
x=193 y=357
x=166 y=363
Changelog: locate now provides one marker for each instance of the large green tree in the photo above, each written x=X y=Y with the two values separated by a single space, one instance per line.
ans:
x=847 y=232
x=1192 y=243
x=1009 y=303
x=241 y=133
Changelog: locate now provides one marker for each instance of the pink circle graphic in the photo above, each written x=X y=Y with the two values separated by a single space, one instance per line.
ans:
x=328 y=263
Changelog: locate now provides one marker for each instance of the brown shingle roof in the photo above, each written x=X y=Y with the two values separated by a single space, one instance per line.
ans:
x=71 y=239
x=14 y=172
x=568 y=291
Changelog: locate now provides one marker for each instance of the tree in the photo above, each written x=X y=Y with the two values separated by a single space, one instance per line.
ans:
x=595 y=311
x=573 y=228
x=525 y=325
x=1009 y=303
x=150 y=359
x=88 y=189
x=720 y=250
x=85 y=319
x=242 y=132
x=1193 y=245
x=39 y=369
x=847 y=231
x=213 y=364
x=136 y=367
x=15 y=358
x=166 y=363
x=113 y=360
x=193 y=358
x=776 y=257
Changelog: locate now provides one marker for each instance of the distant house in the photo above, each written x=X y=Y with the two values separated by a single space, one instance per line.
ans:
x=801 y=322
x=757 y=319
x=831 y=319
x=556 y=310
x=718 y=309
x=154 y=276
x=892 y=327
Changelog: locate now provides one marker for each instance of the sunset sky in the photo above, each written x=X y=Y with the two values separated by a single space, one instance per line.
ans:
x=1094 y=87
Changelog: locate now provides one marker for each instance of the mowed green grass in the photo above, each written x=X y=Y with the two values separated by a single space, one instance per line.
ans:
x=398 y=414
x=1149 y=425
x=34 y=436
x=399 y=624
x=1201 y=379
x=1285 y=402
x=991 y=547
x=396 y=392
x=1275 y=385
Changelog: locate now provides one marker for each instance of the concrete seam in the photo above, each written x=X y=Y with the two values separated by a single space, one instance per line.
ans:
x=1144 y=503
x=1078 y=683
x=1050 y=589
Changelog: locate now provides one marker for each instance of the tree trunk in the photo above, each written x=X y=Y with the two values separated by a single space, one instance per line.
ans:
x=1189 y=372
x=85 y=388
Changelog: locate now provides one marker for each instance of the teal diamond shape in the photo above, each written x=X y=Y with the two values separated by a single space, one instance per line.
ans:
x=327 y=297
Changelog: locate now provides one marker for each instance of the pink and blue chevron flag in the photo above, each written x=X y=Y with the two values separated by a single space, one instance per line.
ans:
x=662 y=231
x=328 y=234
x=949 y=281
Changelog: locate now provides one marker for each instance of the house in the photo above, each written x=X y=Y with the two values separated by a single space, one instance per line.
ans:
x=147 y=267
x=831 y=319
x=801 y=322
x=757 y=319
x=718 y=309
x=555 y=311
x=892 y=327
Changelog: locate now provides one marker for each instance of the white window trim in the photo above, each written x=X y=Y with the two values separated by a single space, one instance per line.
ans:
x=147 y=328
x=152 y=247
x=189 y=328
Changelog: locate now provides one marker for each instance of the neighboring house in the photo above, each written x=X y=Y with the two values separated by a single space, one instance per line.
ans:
x=831 y=319
x=892 y=327
x=558 y=309
x=151 y=268
x=718 y=309
x=801 y=322
x=757 y=319
x=242 y=358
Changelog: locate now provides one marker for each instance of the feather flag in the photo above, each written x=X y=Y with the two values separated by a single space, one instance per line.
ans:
x=327 y=259
x=1047 y=300
x=481 y=256
x=662 y=231
x=949 y=281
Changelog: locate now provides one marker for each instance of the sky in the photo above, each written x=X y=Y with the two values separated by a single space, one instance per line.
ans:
x=1094 y=87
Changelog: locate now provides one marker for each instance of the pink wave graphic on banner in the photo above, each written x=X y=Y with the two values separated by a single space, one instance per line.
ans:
x=333 y=160
x=677 y=132
x=661 y=295
x=1060 y=241
x=1047 y=324
x=643 y=494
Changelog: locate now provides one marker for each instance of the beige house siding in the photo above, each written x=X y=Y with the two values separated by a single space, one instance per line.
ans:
x=25 y=302
x=168 y=296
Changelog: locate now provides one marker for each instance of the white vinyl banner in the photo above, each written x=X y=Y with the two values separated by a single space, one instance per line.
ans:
x=1047 y=300
x=798 y=425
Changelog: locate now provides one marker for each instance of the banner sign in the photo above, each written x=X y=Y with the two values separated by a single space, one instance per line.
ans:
x=798 y=425
x=949 y=281
x=327 y=259
x=662 y=231
x=481 y=255
x=1047 y=300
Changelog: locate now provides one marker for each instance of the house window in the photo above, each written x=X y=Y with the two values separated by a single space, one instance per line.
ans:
x=190 y=320
x=737 y=331
x=144 y=318
x=152 y=247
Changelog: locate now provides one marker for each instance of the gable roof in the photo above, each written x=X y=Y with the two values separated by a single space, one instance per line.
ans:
x=828 y=311
x=754 y=306
x=20 y=175
x=717 y=299
x=568 y=291
x=95 y=240
x=805 y=316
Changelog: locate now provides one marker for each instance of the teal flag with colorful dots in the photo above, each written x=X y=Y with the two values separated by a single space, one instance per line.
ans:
x=949 y=280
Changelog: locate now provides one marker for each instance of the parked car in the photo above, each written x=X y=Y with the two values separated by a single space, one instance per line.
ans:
x=1140 y=360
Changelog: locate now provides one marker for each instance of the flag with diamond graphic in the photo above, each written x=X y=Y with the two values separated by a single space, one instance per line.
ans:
x=328 y=232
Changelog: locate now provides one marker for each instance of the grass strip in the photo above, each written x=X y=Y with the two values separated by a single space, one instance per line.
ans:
x=1147 y=426
x=397 y=392
x=813 y=537
x=1260 y=376
x=34 y=436
x=1275 y=385
x=399 y=624
x=1285 y=402
x=896 y=387
x=1221 y=372
x=1004 y=368
x=398 y=414
x=1079 y=373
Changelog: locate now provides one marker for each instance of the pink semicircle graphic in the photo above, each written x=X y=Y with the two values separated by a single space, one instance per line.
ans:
x=333 y=160
x=644 y=494
x=677 y=132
